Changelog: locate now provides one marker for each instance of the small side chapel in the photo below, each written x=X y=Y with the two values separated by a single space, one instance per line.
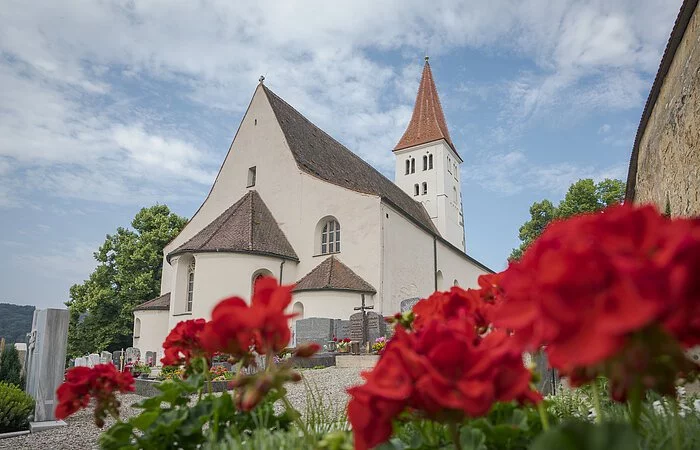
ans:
x=292 y=202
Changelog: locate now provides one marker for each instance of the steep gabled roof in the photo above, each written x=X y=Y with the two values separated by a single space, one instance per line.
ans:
x=247 y=226
x=333 y=275
x=321 y=156
x=428 y=121
x=158 y=303
x=679 y=27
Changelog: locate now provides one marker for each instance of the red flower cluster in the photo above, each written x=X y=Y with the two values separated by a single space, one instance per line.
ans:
x=345 y=340
x=235 y=327
x=101 y=383
x=183 y=343
x=444 y=369
x=478 y=304
x=592 y=283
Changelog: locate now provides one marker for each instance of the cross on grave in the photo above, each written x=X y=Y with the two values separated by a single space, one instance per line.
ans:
x=363 y=309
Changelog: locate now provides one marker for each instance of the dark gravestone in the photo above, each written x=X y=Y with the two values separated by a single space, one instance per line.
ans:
x=549 y=379
x=376 y=326
x=314 y=329
x=151 y=358
x=341 y=328
x=407 y=305
x=116 y=357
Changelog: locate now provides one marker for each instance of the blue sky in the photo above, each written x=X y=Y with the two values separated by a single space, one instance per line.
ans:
x=109 y=106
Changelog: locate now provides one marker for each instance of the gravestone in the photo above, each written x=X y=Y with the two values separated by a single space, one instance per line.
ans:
x=341 y=328
x=46 y=363
x=94 y=359
x=548 y=377
x=116 y=358
x=314 y=329
x=105 y=357
x=151 y=358
x=409 y=303
x=376 y=326
x=132 y=354
x=80 y=362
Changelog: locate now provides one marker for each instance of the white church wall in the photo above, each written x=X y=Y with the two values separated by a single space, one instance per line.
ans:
x=455 y=266
x=152 y=330
x=407 y=261
x=221 y=275
x=330 y=304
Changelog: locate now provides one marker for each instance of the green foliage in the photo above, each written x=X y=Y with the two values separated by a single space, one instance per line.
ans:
x=128 y=273
x=168 y=420
x=15 y=408
x=582 y=197
x=15 y=322
x=586 y=436
x=10 y=366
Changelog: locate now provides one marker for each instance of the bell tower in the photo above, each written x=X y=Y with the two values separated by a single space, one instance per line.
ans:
x=427 y=163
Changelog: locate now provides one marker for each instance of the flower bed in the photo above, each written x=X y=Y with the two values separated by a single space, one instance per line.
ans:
x=612 y=296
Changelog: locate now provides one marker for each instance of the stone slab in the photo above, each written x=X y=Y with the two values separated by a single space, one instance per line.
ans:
x=37 y=427
x=356 y=361
x=13 y=434
x=318 y=360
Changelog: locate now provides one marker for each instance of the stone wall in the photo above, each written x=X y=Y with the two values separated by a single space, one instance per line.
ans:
x=668 y=168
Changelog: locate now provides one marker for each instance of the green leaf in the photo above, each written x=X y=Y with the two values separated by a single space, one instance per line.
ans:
x=586 y=436
x=472 y=439
x=144 y=420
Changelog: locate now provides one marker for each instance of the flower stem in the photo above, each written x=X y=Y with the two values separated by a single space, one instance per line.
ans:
x=543 y=416
x=596 y=402
x=676 y=425
x=207 y=375
x=297 y=418
x=635 y=402
x=454 y=431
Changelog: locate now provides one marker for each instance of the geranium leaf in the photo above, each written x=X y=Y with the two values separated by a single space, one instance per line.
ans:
x=472 y=439
x=586 y=436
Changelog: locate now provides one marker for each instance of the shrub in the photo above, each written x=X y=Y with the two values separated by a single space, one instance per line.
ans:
x=15 y=408
x=10 y=366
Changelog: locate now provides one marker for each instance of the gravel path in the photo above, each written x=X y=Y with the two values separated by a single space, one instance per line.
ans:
x=81 y=433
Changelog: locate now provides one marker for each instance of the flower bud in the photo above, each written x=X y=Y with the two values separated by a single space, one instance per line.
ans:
x=250 y=399
x=307 y=350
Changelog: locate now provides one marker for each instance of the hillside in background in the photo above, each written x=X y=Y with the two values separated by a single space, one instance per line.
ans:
x=15 y=321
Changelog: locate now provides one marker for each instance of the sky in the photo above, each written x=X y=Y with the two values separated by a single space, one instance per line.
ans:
x=109 y=106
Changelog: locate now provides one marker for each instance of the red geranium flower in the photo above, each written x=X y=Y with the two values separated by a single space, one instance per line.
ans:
x=235 y=327
x=593 y=287
x=101 y=383
x=443 y=369
x=183 y=343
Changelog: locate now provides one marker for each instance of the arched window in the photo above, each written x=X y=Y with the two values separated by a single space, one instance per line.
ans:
x=257 y=275
x=413 y=165
x=190 y=287
x=455 y=283
x=137 y=328
x=330 y=237
x=425 y=188
x=416 y=189
x=425 y=162
x=408 y=166
x=298 y=310
x=454 y=188
x=430 y=161
x=439 y=280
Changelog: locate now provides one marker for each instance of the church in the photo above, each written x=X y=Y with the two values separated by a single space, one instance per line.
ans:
x=292 y=202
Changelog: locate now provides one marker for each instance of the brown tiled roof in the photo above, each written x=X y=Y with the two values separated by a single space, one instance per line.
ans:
x=428 y=121
x=684 y=16
x=333 y=275
x=321 y=156
x=247 y=226
x=158 y=303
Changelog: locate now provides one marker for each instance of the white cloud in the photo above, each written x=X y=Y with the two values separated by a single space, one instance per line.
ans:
x=67 y=123
x=512 y=172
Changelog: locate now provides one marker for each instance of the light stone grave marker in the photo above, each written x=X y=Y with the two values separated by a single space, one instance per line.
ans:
x=132 y=354
x=94 y=359
x=46 y=364
x=105 y=357
x=151 y=358
x=408 y=304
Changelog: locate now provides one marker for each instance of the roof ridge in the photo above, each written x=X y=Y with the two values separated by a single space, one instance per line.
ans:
x=324 y=132
x=330 y=270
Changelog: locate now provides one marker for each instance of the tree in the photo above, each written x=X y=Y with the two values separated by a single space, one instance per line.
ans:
x=10 y=366
x=128 y=273
x=582 y=197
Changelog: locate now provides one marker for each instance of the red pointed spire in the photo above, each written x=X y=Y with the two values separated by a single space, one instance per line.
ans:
x=428 y=121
